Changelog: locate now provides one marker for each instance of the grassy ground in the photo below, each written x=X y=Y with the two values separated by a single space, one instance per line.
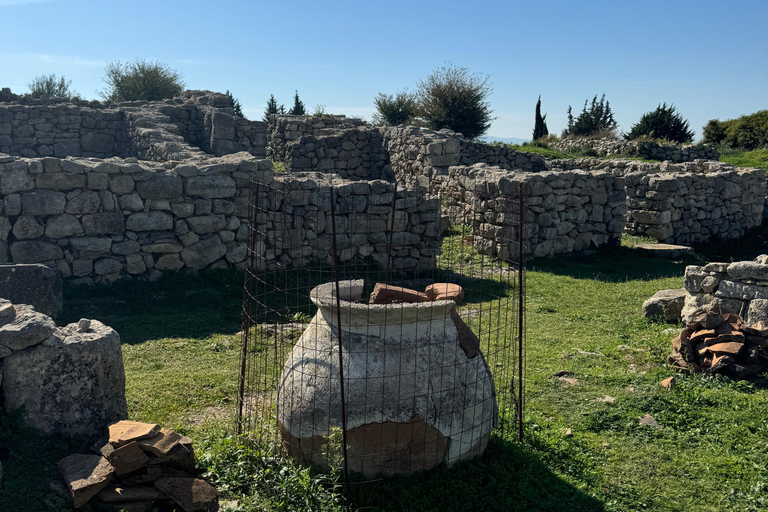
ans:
x=585 y=448
x=757 y=158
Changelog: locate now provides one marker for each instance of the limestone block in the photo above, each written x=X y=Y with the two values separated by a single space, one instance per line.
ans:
x=88 y=201
x=33 y=251
x=203 y=253
x=74 y=384
x=43 y=202
x=666 y=305
x=163 y=186
x=149 y=221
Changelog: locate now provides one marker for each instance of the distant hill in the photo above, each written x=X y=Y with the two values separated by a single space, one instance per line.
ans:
x=505 y=140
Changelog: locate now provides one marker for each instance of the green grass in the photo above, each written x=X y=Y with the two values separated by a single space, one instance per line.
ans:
x=181 y=350
x=756 y=158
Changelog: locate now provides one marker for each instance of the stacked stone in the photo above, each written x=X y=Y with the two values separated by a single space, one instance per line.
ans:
x=685 y=208
x=740 y=288
x=297 y=225
x=286 y=128
x=500 y=155
x=100 y=220
x=622 y=167
x=644 y=149
x=356 y=153
x=67 y=380
x=569 y=211
x=61 y=130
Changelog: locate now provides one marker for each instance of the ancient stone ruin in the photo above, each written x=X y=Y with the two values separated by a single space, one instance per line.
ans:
x=68 y=380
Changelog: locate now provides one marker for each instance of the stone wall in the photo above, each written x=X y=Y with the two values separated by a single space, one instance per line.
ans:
x=685 y=208
x=296 y=227
x=567 y=211
x=640 y=149
x=284 y=129
x=99 y=220
x=740 y=287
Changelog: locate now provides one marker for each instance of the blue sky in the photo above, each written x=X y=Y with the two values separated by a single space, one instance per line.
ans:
x=708 y=58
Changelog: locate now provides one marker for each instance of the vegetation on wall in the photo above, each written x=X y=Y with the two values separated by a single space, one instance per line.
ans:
x=238 y=108
x=51 y=86
x=402 y=108
x=141 y=80
x=747 y=132
x=454 y=98
x=595 y=120
x=663 y=123
x=540 y=124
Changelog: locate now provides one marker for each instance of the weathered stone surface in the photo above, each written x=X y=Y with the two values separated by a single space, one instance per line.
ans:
x=73 y=385
x=94 y=142
x=694 y=276
x=150 y=221
x=91 y=247
x=85 y=476
x=27 y=228
x=63 y=226
x=128 y=458
x=126 y=431
x=748 y=270
x=389 y=294
x=88 y=201
x=43 y=202
x=106 y=266
x=33 y=251
x=445 y=291
x=203 y=253
x=207 y=224
x=736 y=290
x=28 y=328
x=694 y=302
x=757 y=312
x=37 y=285
x=211 y=186
x=666 y=305
x=162 y=443
x=189 y=493
x=107 y=223
x=166 y=185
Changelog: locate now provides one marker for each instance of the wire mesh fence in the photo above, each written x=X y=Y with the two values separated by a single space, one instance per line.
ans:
x=377 y=336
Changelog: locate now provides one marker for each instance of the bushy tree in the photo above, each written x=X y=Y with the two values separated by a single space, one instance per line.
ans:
x=597 y=119
x=298 y=106
x=540 y=124
x=236 y=106
x=454 y=98
x=747 y=132
x=395 y=110
x=141 y=80
x=663 y=123
x=51 y=86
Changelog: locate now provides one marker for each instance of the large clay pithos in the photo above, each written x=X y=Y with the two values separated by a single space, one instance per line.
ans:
x=413 y=397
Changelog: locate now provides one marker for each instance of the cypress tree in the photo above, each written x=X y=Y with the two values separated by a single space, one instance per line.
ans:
x=540 y=125
x=236 y=106
x=298 y=106
x=271 y=108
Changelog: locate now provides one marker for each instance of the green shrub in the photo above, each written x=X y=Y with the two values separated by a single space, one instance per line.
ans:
x=747 y=132
x=456 y=99
x=272 y=108
x=663 y=123
x=141 y=80
x=51 y=86
x=395 y=110
x=595 y=121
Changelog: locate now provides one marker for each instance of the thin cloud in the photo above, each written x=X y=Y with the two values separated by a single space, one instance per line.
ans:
x=15 y=3
x=55 y=60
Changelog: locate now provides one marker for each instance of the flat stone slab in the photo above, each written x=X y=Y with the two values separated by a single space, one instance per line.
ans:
x=665 y=250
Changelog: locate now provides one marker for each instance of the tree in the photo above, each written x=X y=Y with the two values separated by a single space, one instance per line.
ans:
x=394 y=110
x=456 y=99
x=51 y=86
x=236 y=106
x=540 y=124
x=663 y=123
x=141 y=80
x=271 y=109
x=747 y=132
x=298 y=106
x=595 y=120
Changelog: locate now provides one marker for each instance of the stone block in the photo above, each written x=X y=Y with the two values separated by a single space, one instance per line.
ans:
x=37 y=285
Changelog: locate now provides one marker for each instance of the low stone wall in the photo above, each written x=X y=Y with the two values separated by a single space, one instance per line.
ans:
x=296 y=227
x=740 y=288
x=356 y=153
x=568 y=211
x=686 y=208
x=640 y=149
x=284 y=129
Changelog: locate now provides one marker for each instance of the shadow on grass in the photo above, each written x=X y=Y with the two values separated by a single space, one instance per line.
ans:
x=612 y=265
x=748 y=247
x=183 y=305
x=506 y=478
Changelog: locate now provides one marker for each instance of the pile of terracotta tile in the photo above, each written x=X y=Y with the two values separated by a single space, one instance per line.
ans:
x=138 y=467
x=717 y=342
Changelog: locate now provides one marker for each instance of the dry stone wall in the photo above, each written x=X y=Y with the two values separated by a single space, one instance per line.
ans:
x=675 y=153
x=567 y=211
